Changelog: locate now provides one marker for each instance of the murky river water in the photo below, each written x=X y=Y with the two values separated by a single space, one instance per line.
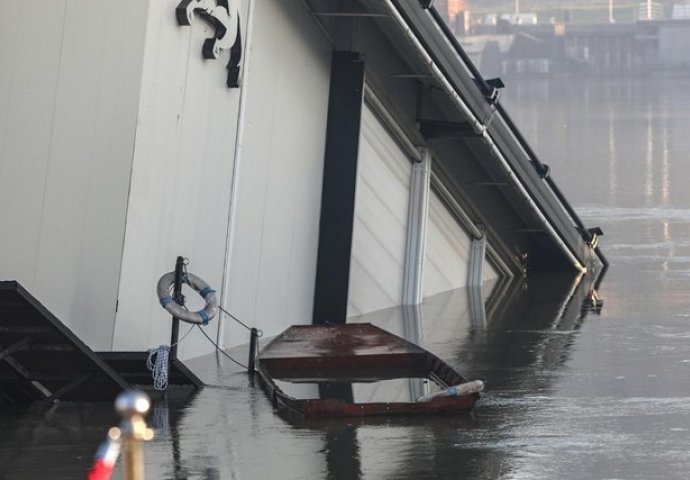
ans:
x=573 y=390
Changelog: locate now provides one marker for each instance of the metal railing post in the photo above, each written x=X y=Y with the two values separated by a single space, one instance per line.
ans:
x=254 y=335
x=179 y=299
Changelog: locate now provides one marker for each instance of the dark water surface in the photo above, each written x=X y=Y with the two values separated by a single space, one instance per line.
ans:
x=573 y=391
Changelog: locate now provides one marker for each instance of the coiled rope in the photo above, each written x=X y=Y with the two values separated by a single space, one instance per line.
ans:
x=158 y=363
x=158 y=360
x=159 y=366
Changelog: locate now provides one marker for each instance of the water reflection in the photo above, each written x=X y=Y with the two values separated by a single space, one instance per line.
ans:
x=615 y=142
x=623 y=164
x=612 y=154
x=519 y=349
x=229 y=429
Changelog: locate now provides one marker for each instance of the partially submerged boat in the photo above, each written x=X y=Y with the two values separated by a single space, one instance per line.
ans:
x=359 y=370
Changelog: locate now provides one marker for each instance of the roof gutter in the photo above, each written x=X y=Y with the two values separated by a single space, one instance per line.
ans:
x=480 y=129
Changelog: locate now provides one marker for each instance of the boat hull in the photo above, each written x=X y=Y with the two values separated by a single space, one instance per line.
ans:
x=342 y=354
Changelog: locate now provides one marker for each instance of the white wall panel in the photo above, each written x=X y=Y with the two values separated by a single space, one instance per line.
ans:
x=27 y=102
x=181 y=177
x=447 y=251
x=381 y=211
x=69 y=88
x=272 y=266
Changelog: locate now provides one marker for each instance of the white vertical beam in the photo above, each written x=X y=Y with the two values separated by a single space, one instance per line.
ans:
x=416 y=230
x=239 y=142
x=476 y=304
x=475 y=280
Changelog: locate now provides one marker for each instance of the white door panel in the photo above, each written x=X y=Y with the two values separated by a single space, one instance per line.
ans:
x=380 y=225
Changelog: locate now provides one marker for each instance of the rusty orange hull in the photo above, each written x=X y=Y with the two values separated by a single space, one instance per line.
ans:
x=336 y=361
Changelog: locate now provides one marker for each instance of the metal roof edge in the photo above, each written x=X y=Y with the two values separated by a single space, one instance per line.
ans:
x=478 y=101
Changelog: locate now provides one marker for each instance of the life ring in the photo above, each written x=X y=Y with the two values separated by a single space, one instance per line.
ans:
x=202 y=316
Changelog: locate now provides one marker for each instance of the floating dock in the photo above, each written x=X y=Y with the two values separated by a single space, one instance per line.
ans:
x=41 y=359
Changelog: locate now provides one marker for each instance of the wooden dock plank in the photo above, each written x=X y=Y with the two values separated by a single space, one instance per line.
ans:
x=40 y=357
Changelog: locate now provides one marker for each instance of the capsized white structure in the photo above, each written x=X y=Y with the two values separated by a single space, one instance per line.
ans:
x=124 y=143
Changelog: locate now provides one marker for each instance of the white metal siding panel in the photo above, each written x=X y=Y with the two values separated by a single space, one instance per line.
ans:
x=447 y=251
x=181 y=178
x=27 y=100
x=276 y=227
x=380 y=225
x=69 y=85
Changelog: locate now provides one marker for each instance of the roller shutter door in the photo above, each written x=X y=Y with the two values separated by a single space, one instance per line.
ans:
x=447 y=251
x=380 y=225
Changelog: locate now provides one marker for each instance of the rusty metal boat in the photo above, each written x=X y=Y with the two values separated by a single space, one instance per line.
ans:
x=359 y=370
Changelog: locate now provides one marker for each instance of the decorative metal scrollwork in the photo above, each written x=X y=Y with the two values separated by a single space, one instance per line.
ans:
x=224 y=16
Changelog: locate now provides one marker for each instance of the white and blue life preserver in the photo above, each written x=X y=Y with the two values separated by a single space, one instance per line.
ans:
x=209 y=295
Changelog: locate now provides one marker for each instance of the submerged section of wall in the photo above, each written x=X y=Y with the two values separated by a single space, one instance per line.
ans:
x=272 y=264
x=69 y=90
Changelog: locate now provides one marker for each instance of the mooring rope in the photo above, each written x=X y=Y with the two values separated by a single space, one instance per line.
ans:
x=259 y=332
x=221 y=350
x=158 y=359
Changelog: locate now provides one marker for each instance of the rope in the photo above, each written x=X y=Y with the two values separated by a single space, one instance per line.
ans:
x=259 y=333
x=221 y=350
x=159 y=367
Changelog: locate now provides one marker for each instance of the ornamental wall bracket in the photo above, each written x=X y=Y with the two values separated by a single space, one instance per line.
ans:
x=223 y=15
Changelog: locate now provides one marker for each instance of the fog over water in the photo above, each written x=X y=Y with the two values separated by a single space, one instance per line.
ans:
x=573 y=391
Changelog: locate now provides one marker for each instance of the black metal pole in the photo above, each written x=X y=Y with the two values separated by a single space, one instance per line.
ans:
x=179 y=299
x=254 y=335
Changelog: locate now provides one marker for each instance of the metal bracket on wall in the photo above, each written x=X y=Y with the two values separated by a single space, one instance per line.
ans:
x=477 y=254
x=223 y=15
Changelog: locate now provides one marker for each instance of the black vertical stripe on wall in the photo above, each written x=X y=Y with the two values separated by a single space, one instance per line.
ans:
x=338 y=194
